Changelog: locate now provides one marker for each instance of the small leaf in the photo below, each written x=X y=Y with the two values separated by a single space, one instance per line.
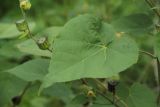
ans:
x=61 y=91
x=31 y=70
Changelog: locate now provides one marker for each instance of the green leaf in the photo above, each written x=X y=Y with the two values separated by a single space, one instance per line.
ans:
x=9 y=50
x=101 y=102
x=78 y=101
x=86 y=47
x=141 y=96
x=5 y=64
x=10 y=86
x=61 y=91
x=122 y=91
x=134 y=24
x=31 y=47
x=31 y=70
x=9 y=30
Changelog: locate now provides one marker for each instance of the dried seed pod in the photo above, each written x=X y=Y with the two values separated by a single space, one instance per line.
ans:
x=25 y=4
x=22 y=25
x=43 y=43
x=16 y=100
x=112 y=83
x=112 y=86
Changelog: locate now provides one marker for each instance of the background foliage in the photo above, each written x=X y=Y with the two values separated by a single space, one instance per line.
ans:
x=131 y=16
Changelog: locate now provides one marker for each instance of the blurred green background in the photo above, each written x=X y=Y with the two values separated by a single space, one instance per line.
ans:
x=47 y=13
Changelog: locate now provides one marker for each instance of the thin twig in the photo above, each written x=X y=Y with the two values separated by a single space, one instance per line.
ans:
x=28 y=29
x=25 y=89
x=152 y=5
x=118 y=99
x=147 y=53
x=107 y=98
x=20 y=97
x=113 y=102
x=158 y=98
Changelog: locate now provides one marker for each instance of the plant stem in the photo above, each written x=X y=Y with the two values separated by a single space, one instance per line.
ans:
x=107 y=98
x=29 y=31
x=22 y=93
x=152 y=5
x=149 y=54
x=25 y=89
x=113 y=102
x=50 y=50
x=157 y=64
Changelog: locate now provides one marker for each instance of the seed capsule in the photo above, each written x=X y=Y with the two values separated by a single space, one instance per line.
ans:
x=16 y=100
x=43 y=43
x=112 y=83
x=21 y=25
x=25 y=4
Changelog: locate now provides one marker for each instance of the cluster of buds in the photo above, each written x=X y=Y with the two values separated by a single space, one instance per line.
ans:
x=22 y=25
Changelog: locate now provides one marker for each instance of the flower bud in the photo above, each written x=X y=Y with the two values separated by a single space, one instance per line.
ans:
x=43 y=43
x=21 y=25
x=90 y=93
x=25 y=4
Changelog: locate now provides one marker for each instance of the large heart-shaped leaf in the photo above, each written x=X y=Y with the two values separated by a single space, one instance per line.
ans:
x=31 y=47
x=87 y=47
x=31 y=70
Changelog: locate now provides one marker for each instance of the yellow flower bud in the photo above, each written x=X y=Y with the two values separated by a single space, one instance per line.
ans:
x=25 y=4
x=90 y=93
